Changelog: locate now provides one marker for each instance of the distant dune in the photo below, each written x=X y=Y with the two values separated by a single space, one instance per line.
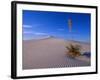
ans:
x=51 y=53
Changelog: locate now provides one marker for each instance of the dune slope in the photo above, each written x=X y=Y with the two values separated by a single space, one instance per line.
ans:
x=49 y=53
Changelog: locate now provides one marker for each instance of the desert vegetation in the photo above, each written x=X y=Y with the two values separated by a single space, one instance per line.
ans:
x=73 y=50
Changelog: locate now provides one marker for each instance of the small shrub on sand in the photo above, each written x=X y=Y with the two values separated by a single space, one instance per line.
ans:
x=73 y=50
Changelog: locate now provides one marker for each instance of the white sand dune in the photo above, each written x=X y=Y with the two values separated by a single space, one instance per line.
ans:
x=51 y=53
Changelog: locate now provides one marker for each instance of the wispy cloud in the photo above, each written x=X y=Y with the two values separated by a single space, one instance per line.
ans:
x=27 y=26
x=31 y=26
x=39 y=33
x=34 y=33
x=28 y=32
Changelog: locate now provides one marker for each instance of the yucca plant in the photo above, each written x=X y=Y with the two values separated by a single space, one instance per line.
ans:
x=73 y=50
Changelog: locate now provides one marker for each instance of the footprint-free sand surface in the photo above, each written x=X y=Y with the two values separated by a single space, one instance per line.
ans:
x=51 y=53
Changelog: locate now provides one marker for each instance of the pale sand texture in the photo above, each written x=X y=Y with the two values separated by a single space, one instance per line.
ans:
x=51 y=53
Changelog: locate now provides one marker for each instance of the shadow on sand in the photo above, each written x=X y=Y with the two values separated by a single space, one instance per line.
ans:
x=87 y=54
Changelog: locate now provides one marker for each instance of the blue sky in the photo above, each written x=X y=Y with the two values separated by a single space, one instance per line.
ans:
x=43 y=23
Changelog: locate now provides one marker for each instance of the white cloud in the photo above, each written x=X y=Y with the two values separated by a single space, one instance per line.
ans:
x=39 y=33
x=27 y=32
x=34 y=33
x=27 y=26
x=30 y=26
